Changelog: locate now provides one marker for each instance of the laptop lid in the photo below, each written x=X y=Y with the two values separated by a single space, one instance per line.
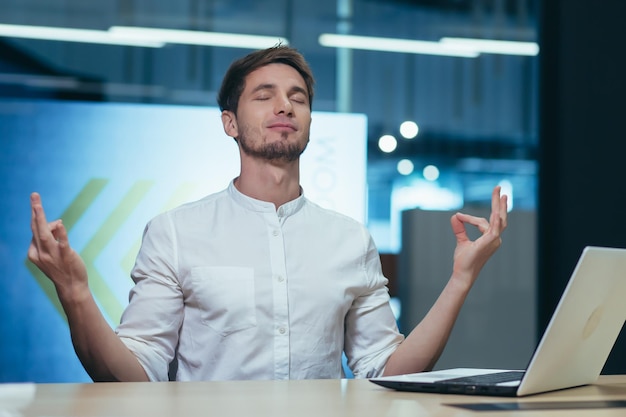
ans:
x=575 y=345
x=584 y=326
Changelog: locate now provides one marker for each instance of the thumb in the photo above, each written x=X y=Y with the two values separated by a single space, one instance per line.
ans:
x=458 y=228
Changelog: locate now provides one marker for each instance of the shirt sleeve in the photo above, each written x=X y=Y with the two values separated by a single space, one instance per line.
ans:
x=371 y=331
x=150 y=324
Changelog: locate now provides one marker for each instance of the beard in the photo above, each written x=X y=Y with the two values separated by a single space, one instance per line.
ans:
x=282 y=151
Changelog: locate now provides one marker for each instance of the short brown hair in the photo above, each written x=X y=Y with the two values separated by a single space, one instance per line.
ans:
x=234 y=80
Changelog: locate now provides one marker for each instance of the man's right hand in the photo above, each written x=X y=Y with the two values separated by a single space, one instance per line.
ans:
x=50 y=251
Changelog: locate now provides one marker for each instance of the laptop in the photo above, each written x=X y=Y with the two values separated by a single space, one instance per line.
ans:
x=573 y=349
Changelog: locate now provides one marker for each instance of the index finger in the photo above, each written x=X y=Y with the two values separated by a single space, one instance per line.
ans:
x=498 y=207
x=39 y=224
x=495 y=200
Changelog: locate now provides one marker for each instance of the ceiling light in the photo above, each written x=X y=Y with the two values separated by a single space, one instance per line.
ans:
x=431 y=172
x=72 y=35
x=395 y=45
x=387 y=143
x=194 y=37
x=493 y=46
x=405 y=167
x=409 y=129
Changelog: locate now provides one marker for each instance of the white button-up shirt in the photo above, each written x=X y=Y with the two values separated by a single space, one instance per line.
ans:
x=235 y=289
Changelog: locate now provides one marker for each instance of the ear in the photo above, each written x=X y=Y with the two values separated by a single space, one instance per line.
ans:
x=229 y=121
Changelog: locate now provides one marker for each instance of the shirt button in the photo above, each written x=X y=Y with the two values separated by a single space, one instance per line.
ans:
x=275 y=232
x=282 y=330
x=280 y=278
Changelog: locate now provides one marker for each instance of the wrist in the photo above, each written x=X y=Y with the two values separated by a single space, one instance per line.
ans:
x=461 y=282
x=73 y=294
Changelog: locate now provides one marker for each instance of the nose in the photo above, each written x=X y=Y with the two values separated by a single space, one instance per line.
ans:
x=283 y=105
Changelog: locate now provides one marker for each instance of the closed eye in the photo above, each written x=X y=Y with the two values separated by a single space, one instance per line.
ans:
x=299 y=98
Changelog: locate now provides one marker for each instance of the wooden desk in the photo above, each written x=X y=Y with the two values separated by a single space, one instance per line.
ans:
x=319 y=398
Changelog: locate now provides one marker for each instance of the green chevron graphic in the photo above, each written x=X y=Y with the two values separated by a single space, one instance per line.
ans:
x=111 y=225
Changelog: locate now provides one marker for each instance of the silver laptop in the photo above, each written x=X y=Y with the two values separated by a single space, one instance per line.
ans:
x=573 y=349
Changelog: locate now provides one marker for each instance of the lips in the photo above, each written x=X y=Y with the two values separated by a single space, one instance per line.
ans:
x=282 y=125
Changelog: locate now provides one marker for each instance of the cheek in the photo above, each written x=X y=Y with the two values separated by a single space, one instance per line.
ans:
x=250 y=131
x=252 y=120
x=308 y=128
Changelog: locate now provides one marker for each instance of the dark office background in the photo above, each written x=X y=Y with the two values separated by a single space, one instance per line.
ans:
x=551 y=125
x=582 y=143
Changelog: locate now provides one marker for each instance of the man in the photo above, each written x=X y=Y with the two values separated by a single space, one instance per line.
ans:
x=257 y=282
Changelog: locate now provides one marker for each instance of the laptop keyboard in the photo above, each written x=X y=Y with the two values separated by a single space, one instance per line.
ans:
x=486 y=379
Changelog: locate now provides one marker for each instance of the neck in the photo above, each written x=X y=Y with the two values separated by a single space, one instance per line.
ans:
x=274 y=183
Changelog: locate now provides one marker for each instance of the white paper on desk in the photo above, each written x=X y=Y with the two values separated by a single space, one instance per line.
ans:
x=14 y=397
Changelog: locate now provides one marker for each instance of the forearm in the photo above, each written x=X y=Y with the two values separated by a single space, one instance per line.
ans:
x=100 y=350
x=423 y=346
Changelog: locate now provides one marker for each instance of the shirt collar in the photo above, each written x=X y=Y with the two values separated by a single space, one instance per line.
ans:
x=249 y=203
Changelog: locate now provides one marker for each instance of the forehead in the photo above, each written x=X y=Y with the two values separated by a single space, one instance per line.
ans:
x=282 y=75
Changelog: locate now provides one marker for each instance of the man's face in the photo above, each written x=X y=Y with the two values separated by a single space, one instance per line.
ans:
x=274 y=116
